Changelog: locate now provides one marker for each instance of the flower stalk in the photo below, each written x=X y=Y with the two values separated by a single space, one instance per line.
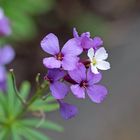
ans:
x=39 y=92
x=15 y=87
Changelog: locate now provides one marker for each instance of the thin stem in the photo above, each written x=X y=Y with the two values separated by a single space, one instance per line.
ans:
x=15 y=88
x=40 y=90
x=31 y=101
x=43 y=116
x=38 y=93
x=37 y=80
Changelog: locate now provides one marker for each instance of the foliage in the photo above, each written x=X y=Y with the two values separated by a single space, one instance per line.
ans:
x=26 y=127
x=20 y=13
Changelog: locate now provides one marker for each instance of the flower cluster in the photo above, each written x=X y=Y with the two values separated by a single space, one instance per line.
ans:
x=6 y=52
x=69 y=71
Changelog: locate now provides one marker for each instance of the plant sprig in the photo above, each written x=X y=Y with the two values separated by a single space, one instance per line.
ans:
x=15 y=122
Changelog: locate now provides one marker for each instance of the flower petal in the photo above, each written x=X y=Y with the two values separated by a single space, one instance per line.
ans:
x=69 y=62
x=87 y=34
x=50 y=44
x=7 y=54
x=56 y=74
x=78 y=91
x=3 y=77
x=79 y=73
x=97 y=42
x=71 y=47
x=86 y=42
x=59 y=90
x=97 y=93
x=103 y=65
x=3 y=85
x=5 y=28
x=75 y=33
x=2 y=73
x=93 y=78
x=101 y=54
x=67 y=111
x=91 y=53
x=94 y=69
x=51 y=62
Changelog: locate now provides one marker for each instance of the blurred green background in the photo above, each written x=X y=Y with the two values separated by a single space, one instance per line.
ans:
x=118 y=23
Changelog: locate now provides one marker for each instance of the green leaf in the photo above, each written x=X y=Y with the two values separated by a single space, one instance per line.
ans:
x=3 y=105
x=32 y=134
x=50 y=99
x=10 y=88
x=3 y=134
x=52 y=126
x=25 y=89
x=24 y=92
x=47 y=105
x=38 y=6
x=11 y=97
x=15 y=134
x=18 y=128
x=23 y=27
x=22 y=22
x=29 y=6
x=46 y=124
x=44 y=107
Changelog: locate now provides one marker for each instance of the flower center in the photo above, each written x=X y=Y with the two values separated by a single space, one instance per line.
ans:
x=84 y=84
x=59 y=56
x=50 y=80
x=94 y=62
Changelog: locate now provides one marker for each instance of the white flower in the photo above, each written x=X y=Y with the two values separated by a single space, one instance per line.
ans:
x=97 y=60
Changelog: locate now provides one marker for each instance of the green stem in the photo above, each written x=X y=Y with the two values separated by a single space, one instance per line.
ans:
x=38 y=94
x=15 y=88
x=40 y=91
x=37 y=80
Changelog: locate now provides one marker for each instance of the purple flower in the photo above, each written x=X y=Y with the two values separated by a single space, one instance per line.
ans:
x=58 y=89
x=5 y=29
x=85 y=42
x=66 y=58
x=2 y=78
x=67 y=111
x=87 y=82
x=3 y=85
x=6 y=56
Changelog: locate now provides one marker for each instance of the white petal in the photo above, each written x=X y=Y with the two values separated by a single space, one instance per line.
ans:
x=94 y=69
x=90 y=53
x=103 y=65
x=101 y=54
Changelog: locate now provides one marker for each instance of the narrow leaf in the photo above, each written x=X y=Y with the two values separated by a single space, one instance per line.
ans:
x=34 y=134
x=46 y=124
